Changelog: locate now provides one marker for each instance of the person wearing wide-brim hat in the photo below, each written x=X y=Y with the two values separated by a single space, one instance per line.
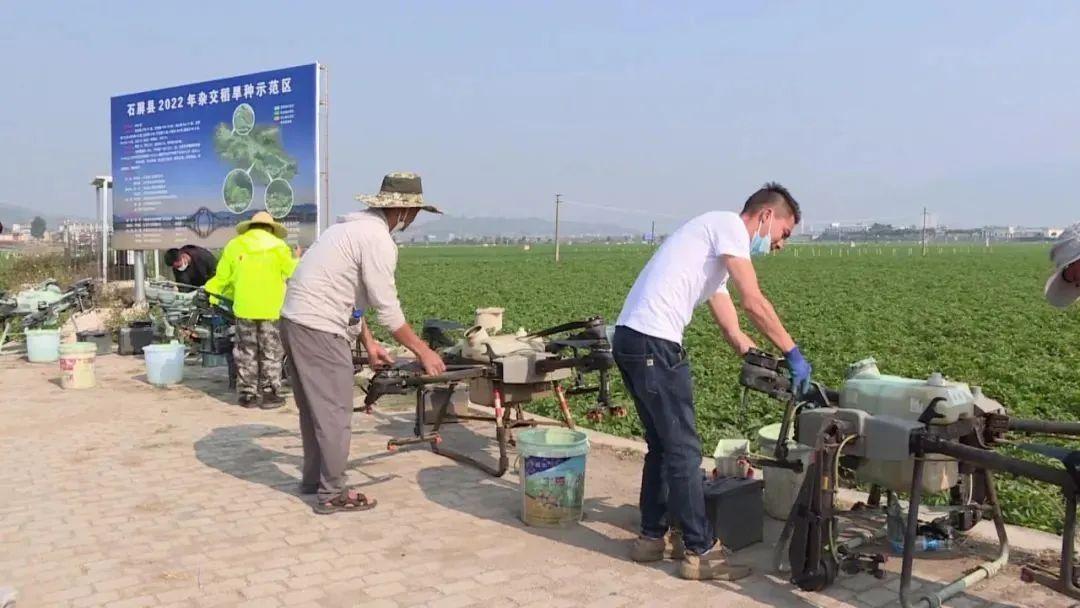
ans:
x=252 y=273
x=347 y=272
x=1063 y=287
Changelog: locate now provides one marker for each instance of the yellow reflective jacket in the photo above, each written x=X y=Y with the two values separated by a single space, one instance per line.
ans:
x=252 y=272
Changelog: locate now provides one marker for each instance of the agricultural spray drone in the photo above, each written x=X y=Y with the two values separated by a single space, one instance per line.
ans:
x=191 y=316
x=42 y=305
x=502 y=371
x=906 y=435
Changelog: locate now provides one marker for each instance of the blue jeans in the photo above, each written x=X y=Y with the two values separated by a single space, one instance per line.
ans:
x=656 y=373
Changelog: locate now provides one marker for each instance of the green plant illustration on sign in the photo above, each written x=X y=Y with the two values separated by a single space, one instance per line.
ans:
x=279 y=198
x=243 y=119
x=237 y=191
x=259 y=158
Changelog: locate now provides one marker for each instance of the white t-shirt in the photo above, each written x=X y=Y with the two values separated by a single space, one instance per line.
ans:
x=685 y=272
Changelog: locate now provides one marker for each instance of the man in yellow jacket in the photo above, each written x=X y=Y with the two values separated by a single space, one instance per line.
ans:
x=252 y=272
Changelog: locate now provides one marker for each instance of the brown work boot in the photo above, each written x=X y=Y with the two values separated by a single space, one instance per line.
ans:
x=712 y=566
x=647 y=549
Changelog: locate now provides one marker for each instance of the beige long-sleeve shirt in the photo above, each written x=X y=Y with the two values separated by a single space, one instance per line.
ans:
x=351 y=265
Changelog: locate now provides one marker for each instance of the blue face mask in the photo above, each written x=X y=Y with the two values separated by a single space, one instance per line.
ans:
x=762 y=245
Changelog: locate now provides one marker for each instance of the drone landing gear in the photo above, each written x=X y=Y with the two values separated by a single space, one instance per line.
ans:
x=506 y=417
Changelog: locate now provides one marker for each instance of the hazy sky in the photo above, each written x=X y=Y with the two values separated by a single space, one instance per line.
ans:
x=863 y=109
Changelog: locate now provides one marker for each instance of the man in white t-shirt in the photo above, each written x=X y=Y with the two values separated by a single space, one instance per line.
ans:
x=694 y=266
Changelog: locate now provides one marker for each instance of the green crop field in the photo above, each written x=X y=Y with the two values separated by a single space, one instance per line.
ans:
x=976 y=315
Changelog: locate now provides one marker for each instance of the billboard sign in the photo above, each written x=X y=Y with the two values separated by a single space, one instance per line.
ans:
x=190 y=162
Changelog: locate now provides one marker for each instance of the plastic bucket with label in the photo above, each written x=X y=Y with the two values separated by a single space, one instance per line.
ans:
x=552 y=471
x=77 y=365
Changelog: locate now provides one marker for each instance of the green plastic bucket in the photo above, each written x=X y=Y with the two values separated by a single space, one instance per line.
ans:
x=42 y=345
x=552 y=472
x=164 y=363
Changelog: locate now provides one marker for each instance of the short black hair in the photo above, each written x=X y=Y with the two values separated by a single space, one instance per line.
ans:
x=771 y=194
x=171 y=255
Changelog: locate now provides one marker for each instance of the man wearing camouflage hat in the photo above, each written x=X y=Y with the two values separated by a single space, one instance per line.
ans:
x=1063 y=287
x=349 y=270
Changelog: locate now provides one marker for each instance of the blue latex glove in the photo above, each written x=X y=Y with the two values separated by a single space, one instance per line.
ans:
x=800 y=371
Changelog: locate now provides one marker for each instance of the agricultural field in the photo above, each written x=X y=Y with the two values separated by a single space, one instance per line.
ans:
x=974 y=314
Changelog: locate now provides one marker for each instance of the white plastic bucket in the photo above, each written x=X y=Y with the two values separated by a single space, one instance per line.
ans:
x=164 y=363
x=42 y=345
x=491 y=319
x=730 y=457
x=552 y=472
x=77 y=365
x=781 y=485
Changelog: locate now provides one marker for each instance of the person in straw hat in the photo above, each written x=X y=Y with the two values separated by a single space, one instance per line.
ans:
x=347 y=272
x=252 y=273
x=1063 y=287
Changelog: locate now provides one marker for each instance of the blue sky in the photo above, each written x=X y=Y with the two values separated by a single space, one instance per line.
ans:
x=864 y=109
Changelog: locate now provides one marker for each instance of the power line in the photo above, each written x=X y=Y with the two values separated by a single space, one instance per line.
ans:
x=623 y=210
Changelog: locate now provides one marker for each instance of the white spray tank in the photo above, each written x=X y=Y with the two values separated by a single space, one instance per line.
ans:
x=906 y=400
x=877 y=394
x=479 y=345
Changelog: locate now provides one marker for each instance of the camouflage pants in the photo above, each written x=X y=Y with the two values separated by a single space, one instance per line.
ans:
x=258 y=354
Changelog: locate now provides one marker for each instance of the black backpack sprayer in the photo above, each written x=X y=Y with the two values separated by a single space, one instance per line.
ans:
x=905 y=435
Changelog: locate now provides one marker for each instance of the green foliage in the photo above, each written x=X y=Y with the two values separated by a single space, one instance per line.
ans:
x=20 y=271
x=975 y=315
x=37 y=227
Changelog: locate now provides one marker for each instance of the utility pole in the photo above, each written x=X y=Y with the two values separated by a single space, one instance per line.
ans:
x=652 y=234
x=924 y=215
x=558 y=201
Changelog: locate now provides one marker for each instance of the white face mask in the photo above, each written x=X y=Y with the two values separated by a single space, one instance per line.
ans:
x=762 y=245
x=182 y=267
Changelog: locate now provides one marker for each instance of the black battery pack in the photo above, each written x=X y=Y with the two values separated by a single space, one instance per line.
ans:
x=735 y=509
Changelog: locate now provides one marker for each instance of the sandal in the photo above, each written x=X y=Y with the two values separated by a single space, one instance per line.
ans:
x=344 y=502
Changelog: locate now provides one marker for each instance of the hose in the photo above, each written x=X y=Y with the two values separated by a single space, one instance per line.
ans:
x=836 y=481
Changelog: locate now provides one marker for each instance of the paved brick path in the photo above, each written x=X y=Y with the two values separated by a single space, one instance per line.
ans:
x=126 y=496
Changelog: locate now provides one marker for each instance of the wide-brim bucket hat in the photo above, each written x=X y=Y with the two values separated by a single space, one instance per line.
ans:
x=263 y=218
x=1066 y=250
x=399 y=191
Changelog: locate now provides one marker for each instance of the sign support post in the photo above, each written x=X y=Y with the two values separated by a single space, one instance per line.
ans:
x=102 y=183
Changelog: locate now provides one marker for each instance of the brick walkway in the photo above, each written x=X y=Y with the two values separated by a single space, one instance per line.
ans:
x=128 y=496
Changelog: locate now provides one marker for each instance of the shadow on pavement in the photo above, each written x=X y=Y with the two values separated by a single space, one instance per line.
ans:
x=461 y=487
x=239 y=451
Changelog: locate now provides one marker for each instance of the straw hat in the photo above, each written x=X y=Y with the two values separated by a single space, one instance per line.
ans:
x=1066 y=250
x=398 y=191
x=263 y=218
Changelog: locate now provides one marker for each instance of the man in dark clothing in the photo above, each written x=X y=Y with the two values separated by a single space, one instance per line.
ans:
x=192 y=265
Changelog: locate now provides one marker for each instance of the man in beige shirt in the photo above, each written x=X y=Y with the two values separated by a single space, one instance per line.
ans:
x=349 y=270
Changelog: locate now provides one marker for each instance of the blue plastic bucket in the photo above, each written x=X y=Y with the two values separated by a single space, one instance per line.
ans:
x=552 y=472
x=164 y=363
x=42 y=345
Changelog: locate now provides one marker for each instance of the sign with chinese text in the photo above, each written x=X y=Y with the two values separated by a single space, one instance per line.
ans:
x=190 y=162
